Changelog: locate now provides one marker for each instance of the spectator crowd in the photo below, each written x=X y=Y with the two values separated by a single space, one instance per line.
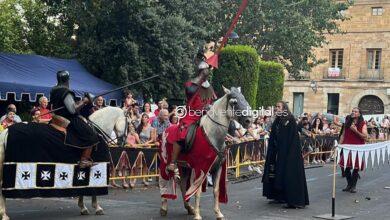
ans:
x=149 y=121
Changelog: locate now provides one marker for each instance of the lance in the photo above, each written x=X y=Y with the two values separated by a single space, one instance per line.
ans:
x=213 y=60
x=105 y=93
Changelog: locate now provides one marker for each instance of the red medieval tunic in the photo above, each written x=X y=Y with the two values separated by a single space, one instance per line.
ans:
x=351 y=137
x=196 y=103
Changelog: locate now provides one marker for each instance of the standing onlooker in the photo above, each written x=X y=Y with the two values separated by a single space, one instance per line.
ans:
x=129 y=101
x=11 y=107
x=354 y=132
x=157 y=111
x=133 y=115
x=303 y=123
x=173 y=119
x=385 y=126
x=317 y=126
x=9 y=120
x=147 y=110
x=35 y=115
x=146 y=132
x=161 y=123
x=44 y=111
x=99 y=104
x=267 y=123
x=372 y=129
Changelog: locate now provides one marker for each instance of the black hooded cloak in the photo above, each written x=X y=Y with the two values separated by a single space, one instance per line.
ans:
x=284 y=174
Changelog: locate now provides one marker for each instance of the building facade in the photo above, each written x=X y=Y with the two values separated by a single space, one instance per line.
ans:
x=357 y=71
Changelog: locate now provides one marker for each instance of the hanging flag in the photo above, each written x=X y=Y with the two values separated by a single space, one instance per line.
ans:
x=353 y=153
x=362 y=153
x=360 y=158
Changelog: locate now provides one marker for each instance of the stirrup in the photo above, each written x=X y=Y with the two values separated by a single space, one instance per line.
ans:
x=86 y=163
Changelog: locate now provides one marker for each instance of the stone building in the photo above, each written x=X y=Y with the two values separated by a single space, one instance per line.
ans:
x=357 y=71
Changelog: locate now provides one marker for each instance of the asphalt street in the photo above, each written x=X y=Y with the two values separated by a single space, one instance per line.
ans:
x=245 y=201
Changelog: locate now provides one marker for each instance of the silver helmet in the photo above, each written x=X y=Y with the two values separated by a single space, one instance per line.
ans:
x=203 y=65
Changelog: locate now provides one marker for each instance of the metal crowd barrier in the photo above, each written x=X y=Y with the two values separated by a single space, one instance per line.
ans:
x=239 y=155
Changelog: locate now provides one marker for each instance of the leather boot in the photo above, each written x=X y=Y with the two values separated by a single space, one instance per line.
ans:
x=348 y=176
x=354 y=179
x=86 y=160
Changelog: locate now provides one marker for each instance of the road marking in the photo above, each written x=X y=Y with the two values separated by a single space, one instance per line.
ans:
x=23 y=211
x=332 y=174
x=100 y=200
x=311 y=179
x=208 y=195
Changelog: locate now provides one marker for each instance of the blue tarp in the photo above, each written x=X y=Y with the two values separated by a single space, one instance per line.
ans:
x=35 y=75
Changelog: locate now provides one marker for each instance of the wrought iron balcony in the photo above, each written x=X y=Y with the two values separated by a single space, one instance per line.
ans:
x=371 y=74
x=303 y=75
x=333 y=74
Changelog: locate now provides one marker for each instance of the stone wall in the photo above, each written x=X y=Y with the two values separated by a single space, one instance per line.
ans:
x=362 y=31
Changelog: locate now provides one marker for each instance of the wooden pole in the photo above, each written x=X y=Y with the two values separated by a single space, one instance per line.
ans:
x=334 y=183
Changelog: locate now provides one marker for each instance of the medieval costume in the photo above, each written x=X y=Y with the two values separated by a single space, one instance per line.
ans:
x=348 y=136
x=78 y=133
x=284 y=177
x=199 y=97
x=200 y=94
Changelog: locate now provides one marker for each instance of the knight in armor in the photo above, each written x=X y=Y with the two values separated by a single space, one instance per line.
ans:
x=78 y=133
x=200 y=95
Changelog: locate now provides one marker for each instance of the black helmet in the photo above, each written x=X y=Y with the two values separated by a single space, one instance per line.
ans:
x=62 y=76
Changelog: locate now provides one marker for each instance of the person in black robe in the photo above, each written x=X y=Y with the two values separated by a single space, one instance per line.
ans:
x=284 y=179
x=78 y=133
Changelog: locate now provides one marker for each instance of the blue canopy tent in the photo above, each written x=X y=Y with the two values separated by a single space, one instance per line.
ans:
x=35 y=75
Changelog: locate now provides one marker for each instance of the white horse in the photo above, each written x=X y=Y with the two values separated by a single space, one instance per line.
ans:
x=108 y=119
x=232 y=106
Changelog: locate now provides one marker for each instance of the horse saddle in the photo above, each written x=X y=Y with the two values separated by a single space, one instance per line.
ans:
x=60 y=123
x=190 y=137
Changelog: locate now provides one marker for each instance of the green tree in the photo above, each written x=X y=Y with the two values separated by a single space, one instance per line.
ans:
x=286 y=31
x=122 y=41
x=270 y=86
x=12 y=37
x=27 y=27
x=239 y=67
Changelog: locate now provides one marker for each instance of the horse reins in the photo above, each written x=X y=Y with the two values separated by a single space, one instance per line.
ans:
x=107 y=137
x=216 y=122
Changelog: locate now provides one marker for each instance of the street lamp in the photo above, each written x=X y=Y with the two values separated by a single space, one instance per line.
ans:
x=313 y=86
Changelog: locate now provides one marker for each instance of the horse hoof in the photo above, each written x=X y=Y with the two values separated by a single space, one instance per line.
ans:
x=84 y=212
x=190 y=210
x=99 y=212
x=163 y=212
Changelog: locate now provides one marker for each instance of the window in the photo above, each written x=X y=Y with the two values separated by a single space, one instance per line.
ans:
x=374 y=57
x=336 y=58
x=298 y=103
x=333 y=103
x=377 y=11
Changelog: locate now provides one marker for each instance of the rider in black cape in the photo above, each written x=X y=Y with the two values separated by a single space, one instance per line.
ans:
x=284 y=178
x=78 y=133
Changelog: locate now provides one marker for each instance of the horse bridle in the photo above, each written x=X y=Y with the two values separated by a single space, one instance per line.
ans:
x=219 y=123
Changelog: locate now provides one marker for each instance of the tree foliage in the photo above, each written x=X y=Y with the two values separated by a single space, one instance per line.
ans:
x=126 y=40
x=286 y=31
x=270 y=84
x=27 y=27
x=239 y=67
